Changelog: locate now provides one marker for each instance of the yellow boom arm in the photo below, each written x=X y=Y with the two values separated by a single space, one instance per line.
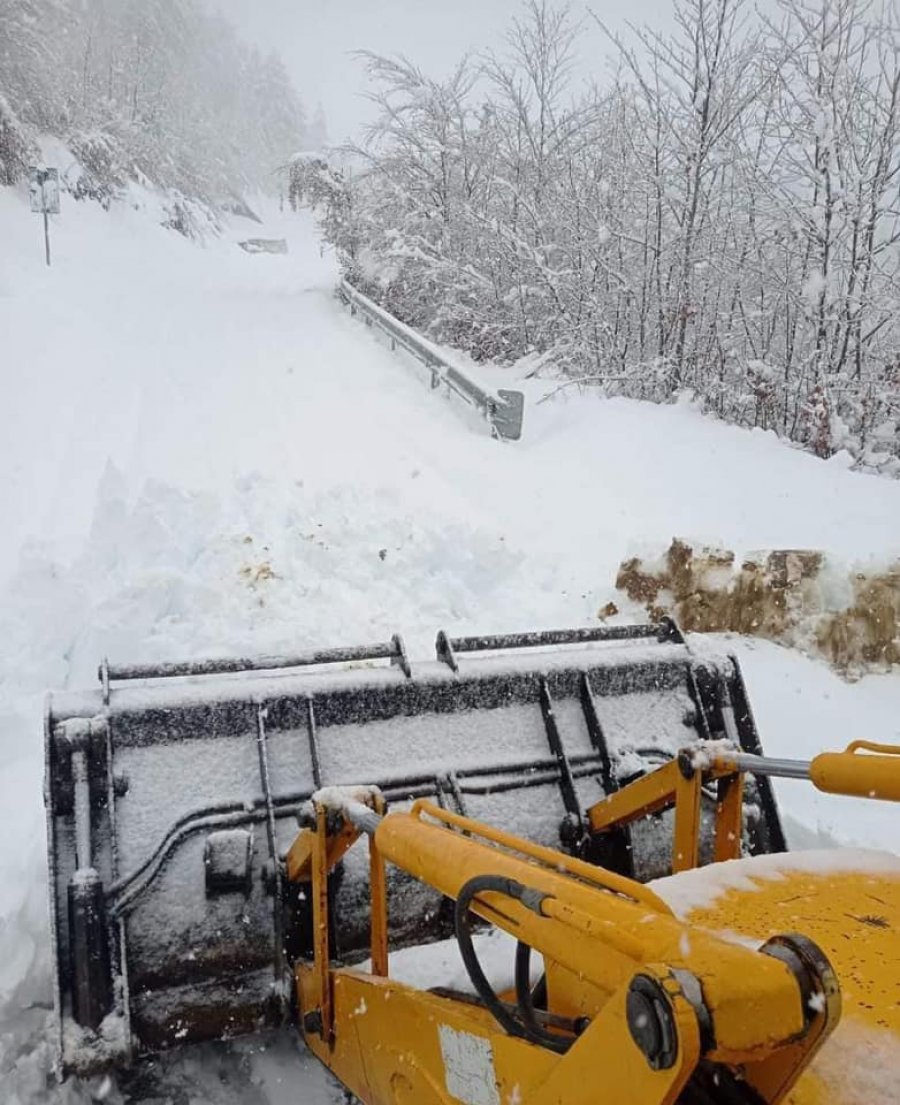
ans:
x=640 y=1008
x=863 y=770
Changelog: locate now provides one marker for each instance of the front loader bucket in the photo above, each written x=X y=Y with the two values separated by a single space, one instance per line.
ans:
x=173 y=793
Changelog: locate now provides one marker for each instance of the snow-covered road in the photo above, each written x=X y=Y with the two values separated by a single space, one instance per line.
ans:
x=201 y=452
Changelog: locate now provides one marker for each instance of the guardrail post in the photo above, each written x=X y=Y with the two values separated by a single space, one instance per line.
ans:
x=508 y=414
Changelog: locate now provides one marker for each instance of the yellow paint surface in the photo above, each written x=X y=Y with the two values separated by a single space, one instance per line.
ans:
x=855 y=920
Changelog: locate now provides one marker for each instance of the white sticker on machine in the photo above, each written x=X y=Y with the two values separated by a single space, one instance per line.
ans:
x=468 y=1067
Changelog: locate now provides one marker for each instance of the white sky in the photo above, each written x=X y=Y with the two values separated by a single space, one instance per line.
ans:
x=317 y=37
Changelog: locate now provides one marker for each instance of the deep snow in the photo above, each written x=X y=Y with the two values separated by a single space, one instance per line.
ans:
x=202 y=452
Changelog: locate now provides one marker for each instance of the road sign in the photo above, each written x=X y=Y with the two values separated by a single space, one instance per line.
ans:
x=43 y=188
x=43 y=191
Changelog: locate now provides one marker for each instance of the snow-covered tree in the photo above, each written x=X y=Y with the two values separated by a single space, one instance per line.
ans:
x=718 y=215
x=154 y=89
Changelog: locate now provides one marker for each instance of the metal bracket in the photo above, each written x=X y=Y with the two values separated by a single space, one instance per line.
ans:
x=444 y=651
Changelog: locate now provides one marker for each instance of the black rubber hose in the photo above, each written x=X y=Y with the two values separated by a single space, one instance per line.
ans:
x=524 y=998
x=525 y=1004
x=524 y=1027
x=483 y=988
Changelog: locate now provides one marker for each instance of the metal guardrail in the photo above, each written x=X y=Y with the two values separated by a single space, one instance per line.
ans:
x=502 y=408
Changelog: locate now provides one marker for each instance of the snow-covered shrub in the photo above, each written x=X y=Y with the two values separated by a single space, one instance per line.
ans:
x=189 y=217
x=102 y=167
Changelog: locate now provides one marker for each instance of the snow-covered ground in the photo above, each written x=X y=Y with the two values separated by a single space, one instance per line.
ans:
x=201 y=452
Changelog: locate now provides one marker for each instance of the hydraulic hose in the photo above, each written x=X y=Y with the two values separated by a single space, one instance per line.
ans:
x=525 y=1004
x=524 y=1026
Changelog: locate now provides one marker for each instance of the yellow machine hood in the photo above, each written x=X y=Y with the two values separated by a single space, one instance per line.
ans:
x=848 y=902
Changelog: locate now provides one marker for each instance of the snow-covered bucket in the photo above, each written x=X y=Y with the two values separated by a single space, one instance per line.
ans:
x=173 y=793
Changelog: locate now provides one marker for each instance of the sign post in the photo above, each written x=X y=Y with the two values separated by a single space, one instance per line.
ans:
x=43 y=191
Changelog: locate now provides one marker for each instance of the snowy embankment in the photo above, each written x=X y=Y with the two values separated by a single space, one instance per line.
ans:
x=202 y=453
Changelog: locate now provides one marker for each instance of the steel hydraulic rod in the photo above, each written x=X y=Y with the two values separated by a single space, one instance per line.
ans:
x=362 y=818
x=769 y=766
x=864 y=770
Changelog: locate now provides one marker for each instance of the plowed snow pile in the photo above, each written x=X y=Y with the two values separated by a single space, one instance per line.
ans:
x=202 y=453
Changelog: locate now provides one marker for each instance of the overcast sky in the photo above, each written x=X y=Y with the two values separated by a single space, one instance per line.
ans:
x=316 y=39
